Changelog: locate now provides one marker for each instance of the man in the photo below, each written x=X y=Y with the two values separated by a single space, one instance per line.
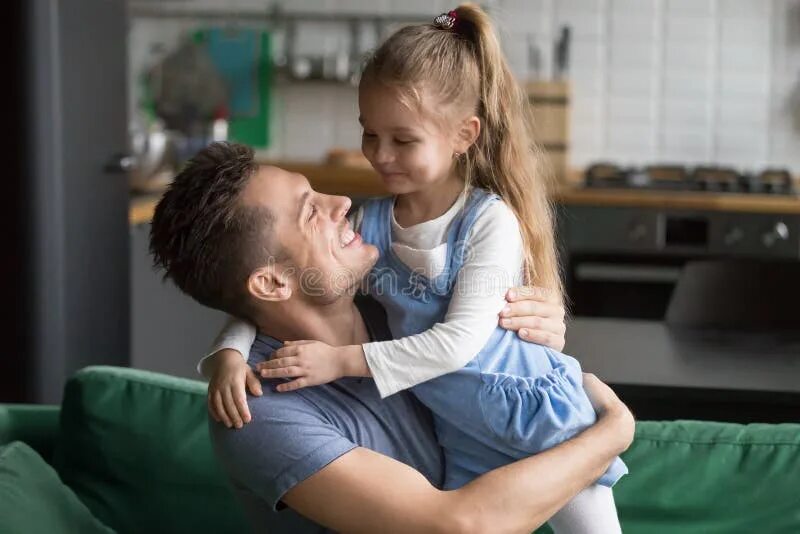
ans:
x=259 y=243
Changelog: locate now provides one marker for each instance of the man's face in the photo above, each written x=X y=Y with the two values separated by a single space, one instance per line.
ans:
x=325 y=256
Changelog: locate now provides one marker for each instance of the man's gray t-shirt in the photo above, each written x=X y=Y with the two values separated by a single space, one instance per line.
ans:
x=293 y=435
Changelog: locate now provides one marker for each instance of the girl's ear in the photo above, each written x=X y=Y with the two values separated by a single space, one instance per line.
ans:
x=467 y=134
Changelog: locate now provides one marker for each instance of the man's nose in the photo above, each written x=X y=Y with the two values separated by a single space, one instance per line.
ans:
x=339 y=207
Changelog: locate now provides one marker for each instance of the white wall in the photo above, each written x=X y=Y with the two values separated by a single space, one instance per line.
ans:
x=686 y=81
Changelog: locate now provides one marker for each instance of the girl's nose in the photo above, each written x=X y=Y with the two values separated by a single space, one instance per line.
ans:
x=383 y=154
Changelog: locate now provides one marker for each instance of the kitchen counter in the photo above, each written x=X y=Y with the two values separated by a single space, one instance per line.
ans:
x=649 y=353
x=362 y=182
x=681 y=200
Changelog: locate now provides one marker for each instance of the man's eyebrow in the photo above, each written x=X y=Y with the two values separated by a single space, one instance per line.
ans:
x=303 y=201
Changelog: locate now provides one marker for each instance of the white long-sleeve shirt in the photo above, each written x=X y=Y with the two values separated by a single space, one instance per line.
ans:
x=494 y=264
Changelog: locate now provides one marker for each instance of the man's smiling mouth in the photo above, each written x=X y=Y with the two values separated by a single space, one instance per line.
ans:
x=347 y=237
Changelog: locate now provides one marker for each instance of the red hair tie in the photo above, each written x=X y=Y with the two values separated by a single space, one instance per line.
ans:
x=446 y=21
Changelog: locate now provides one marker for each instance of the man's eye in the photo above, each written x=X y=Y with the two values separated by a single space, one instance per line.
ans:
x=403 y=141
x=367 y=134
x=313 y=211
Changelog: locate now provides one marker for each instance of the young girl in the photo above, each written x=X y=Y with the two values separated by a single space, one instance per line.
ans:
x=445 y=126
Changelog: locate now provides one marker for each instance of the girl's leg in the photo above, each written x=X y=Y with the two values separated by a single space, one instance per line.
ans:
x=592 y=511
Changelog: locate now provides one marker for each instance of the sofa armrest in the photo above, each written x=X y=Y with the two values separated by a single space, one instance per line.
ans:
x=35 y=424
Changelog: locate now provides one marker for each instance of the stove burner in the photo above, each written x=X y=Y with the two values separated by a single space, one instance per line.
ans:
x=682 y=178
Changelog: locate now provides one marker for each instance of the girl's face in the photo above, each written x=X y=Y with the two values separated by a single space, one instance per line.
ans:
x=409 y=152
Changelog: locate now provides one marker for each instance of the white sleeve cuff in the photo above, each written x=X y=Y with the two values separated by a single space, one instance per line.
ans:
x=237 y=335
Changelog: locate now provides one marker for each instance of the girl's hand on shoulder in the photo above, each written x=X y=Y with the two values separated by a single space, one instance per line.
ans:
x=227 y=396
x=310 y=363
x=536 y=314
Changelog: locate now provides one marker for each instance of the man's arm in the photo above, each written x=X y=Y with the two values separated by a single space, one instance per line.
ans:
x=363 y=491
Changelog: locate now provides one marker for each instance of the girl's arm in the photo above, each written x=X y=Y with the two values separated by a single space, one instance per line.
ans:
x=493 y=264
x=236 y=335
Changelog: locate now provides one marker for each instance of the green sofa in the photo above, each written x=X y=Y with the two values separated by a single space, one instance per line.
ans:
x=128 y=451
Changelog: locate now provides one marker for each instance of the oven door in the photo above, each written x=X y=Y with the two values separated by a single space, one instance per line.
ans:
x=629 y=287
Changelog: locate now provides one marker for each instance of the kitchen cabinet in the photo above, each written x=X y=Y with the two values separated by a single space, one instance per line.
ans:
x=169 y=330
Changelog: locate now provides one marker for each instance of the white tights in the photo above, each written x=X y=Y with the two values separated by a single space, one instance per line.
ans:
x=592 y=511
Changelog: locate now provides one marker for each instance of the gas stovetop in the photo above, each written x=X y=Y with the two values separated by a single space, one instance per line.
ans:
x=684 y=178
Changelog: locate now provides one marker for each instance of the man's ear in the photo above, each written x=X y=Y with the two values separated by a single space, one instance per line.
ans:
x=467 y=134
x=269 y=283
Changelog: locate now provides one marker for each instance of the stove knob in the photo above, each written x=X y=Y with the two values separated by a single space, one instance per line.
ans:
x=733 y=236
x=779 y=232
x=637 y=232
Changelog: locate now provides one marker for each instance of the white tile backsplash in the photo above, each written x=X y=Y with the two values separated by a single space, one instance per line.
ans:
x=630 y=82
x=693 y=81
x=645 y=8
x=690 y=8
x=738 y=83
x=625 y=109
x=748 y=9
x=745 y=32
x=679 y=56
x=695 y=30
x=686 y=114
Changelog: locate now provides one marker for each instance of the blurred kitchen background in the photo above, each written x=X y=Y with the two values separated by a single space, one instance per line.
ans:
x=672 y=127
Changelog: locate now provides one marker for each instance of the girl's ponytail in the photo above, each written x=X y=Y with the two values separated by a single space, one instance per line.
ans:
x=505 y=158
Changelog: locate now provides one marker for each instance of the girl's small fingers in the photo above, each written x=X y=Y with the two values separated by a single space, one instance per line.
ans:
x=293 y=385
x=283 y=372
x=278 y=362
x=282 y=352
x=243 y=410
x=220 y=410
x=254 y=384
x=212 y=409
x=230 y=409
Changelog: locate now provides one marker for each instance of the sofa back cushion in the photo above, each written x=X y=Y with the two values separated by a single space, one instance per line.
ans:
x=701 y=477
x=33 y=498
x=134 y=446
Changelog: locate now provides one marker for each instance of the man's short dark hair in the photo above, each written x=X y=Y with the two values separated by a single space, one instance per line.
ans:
x=203 y=236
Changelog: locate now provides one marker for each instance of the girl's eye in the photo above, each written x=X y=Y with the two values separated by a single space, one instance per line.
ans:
x=367 y=134
x=403 y=141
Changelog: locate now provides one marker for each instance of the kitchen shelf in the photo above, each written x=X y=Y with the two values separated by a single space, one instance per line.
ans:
x=270 y=14
x=362 y=182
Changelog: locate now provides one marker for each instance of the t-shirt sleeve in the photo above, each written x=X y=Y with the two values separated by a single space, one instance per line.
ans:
x=493 y=264
x=287 y=441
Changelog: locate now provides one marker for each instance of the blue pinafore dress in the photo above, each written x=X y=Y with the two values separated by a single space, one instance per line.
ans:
x=512 y=400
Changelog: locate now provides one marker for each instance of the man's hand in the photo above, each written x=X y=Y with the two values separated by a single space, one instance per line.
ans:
x=312 y=363
x=536 y=314
x=609 y=407
x=227 y=399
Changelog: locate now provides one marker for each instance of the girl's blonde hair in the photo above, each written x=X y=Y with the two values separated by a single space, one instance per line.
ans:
x=464 y=69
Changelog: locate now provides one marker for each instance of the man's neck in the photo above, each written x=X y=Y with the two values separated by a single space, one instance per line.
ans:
x=338 y=323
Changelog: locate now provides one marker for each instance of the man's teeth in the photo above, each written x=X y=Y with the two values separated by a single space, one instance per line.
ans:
x=347 y=237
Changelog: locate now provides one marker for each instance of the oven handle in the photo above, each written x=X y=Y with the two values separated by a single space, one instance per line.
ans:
x=610 y=272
